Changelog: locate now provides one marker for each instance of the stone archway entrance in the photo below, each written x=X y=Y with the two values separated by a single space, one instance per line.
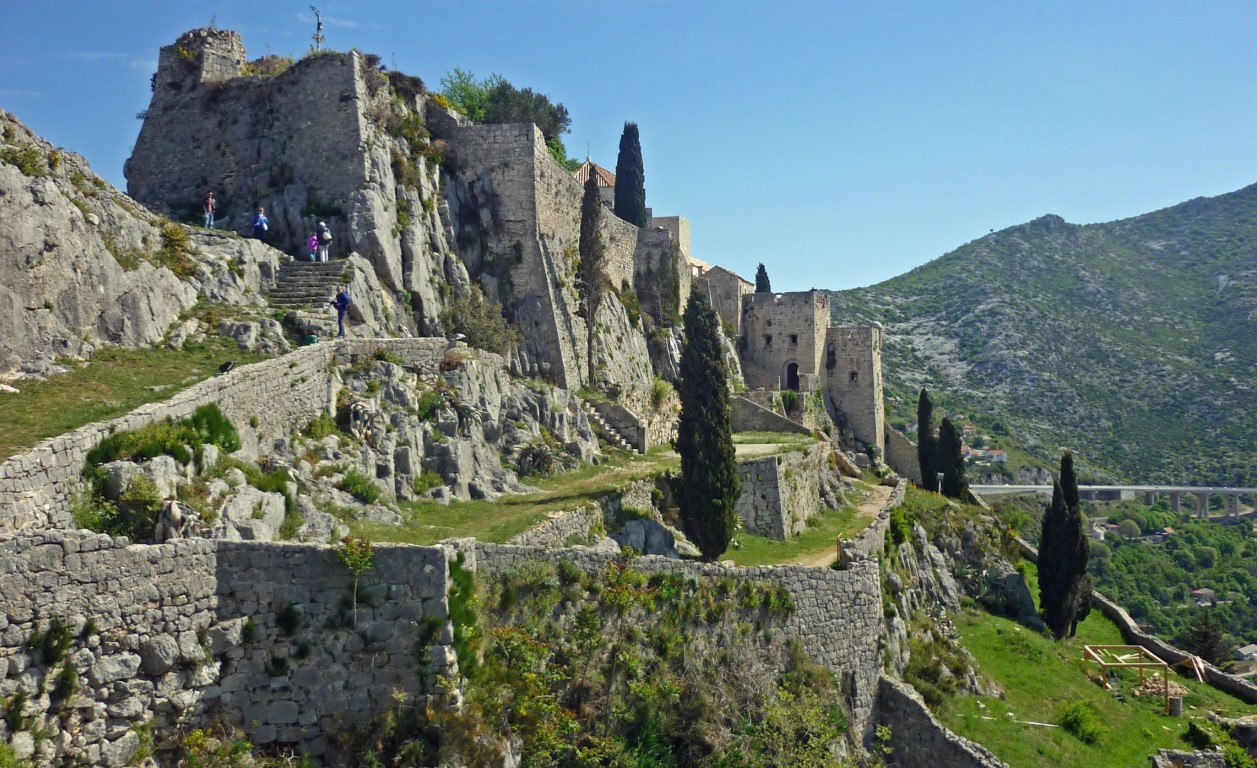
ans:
x=792 y=376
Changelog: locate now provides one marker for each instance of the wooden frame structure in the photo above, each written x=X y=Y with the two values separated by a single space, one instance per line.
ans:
x=1130 y=657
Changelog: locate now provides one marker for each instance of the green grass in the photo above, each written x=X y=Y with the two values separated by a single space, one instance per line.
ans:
x=819 y=539
x=115 y=382
x=1039 y=675
x=497 y=521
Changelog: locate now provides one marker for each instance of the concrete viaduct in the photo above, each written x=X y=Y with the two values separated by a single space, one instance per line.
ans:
x=1230 y=496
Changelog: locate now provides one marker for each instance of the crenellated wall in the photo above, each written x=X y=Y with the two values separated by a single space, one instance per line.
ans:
x=853 y=381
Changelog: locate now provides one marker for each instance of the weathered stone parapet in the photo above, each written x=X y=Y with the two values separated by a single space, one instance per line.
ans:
x=919 y=740
x=871 y=540
x=748 y=416
x=901 y=455
x=560 y=528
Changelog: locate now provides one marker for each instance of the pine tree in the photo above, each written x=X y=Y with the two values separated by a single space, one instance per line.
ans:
x=710 y=484
x=591 y=276
x=952 y=462
x=1064 y=587
x=1205 y=638
x=927 y=443
x=630 y=178
x=761 y=280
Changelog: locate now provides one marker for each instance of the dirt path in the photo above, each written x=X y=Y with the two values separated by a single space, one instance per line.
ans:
x=867 y=508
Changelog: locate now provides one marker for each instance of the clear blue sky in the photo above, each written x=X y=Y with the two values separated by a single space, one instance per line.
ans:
x=840 y=143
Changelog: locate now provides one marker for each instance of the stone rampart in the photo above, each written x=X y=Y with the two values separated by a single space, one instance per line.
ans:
x=560 y=528
x=919 y=740
x=780 y=492
x=167 y=633
x=901 y=455
x=837 y=615
x=265 y=401
x=872 y=539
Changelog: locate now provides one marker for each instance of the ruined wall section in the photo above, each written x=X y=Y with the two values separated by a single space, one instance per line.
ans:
x=901 y=455
x=265 y=401
x=919 y=740
x=725 y=290
x=853 y=381
x=837 y=615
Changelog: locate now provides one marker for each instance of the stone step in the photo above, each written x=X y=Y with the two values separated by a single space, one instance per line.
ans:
x=609 y=433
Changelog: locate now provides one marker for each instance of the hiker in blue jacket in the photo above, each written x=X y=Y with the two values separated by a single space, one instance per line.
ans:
x=261 y=224
x=342 y=303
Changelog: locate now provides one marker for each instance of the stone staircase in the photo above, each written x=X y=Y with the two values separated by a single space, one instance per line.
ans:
x=307 y=285
x=608 y=433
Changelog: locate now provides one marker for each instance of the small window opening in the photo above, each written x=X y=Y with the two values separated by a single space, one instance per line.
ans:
x=855 y=376
x=768 y=340
x=794 y=339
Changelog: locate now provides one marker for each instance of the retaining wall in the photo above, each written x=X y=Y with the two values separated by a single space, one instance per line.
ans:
x=780 y=492
x=748 y=416
x=166 y=633
x=265 y=401
x=919 y=740
x=837 y=615
x=901 y=456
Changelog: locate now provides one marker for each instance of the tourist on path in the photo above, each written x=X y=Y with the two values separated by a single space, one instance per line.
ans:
x=261 y=224
x=312 y=245
x=210 y=205
x=342 y=303
x=325 y=240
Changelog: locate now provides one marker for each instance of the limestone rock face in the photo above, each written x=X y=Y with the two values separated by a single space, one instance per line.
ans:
x=80 y=263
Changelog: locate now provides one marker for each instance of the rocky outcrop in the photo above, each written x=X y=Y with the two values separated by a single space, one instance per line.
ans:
x=83 y=266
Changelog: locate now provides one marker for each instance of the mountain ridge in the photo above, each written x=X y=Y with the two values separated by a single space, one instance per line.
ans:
x=1130 y=342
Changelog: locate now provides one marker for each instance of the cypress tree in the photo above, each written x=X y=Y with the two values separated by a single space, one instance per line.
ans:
x=630 y=178
x=710 y=484
x=1064 y=587
x=591 y=276
x=952 y=462
x=927 y=444
x=761 y=280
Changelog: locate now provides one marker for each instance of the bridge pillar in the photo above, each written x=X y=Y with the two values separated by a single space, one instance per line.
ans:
x=1150 y=498
x=1202 y=505
x=1233 y=501
x=1176 y=503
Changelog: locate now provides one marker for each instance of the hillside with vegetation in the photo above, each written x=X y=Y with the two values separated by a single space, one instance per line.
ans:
x=1131 y=343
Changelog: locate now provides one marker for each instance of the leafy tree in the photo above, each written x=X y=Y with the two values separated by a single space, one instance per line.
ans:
x=951 y=462
x=927 y=444
x=591 y=273
x=495 y=100
x=709 y=478
x=630 y=178
x=1205 y=638
x=1128 y=529
x=761 y=282
x=480 y=320
x=1063 y=551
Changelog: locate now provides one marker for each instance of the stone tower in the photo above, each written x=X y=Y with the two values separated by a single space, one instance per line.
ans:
x=853 y=381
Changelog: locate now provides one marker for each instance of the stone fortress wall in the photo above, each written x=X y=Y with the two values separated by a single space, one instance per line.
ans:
x=783 y=329
x=837 y=615
x=780 y=492
x=173 y=633
x=853 y=383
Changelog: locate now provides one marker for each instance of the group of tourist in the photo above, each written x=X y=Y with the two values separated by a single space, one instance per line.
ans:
x=318 y=245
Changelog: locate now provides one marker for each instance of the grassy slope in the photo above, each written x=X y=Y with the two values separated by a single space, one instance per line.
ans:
x=1038 y=674
x=115 y=382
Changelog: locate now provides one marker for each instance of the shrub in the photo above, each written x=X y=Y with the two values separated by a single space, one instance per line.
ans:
x=359 y=486
x=481 y=321
x=428 y=404
x=427 y=481
x=27 y=159
x=790 y=400
x=660 y=392
x=175 y=247
x=139 y=506
x=900 y=526
x=1080 y=718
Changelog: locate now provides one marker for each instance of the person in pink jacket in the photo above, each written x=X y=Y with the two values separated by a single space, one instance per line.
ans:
x=312 y=245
